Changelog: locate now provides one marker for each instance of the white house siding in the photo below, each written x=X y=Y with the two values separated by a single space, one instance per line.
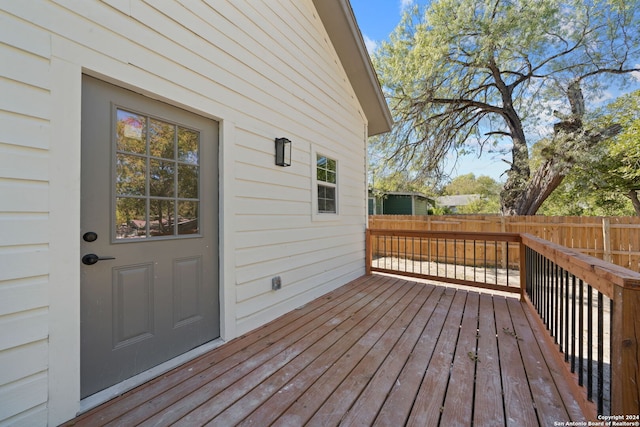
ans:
x=263 y=69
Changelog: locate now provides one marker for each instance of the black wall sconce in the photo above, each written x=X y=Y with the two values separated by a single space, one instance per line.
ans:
x=283 y=152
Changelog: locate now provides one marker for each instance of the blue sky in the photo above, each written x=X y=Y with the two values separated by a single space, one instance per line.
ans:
x=377 y=19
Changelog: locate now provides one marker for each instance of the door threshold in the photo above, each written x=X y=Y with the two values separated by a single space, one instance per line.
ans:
x=114 y=391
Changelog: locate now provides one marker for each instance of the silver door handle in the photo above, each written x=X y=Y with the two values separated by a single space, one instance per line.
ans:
x=90 y=259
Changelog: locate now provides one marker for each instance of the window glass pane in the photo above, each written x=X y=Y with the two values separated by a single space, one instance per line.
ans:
x=161 y=178
x=331 y=177
x=130 y=174
x=130 y=132
x=330 y=206
x=161 y=139
x=131 y=218
x=322 y=175
x=330 y=193
x=188 y=222
x=188 y=145
x=322 y=162
x=161 y=217
x=331 y=165
x=187 y=182
x=326 y=199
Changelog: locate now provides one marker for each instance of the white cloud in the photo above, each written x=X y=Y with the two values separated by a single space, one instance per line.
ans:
x=597 y=100
x=370 y=44
x=405 y=4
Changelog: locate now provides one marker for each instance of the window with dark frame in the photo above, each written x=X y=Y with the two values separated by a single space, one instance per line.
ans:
x=326 y=176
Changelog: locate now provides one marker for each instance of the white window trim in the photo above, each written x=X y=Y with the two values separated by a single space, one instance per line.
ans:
x=323 y=216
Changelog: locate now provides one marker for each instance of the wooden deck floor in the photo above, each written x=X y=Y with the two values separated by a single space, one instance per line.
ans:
x=378 y=351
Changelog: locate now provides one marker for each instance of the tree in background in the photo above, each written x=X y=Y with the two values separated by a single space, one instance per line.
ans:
x=608 y=181
x=466 y=75
x=485 y=186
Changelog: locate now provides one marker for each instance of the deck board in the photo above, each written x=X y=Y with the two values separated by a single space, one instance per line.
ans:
x=518 y=402
x=457 y=409
x=378 y=351
x=368 y=405
x=428 y=404
x=397 y=407
x=298 y=381
x=547 y=400
x=488 y=372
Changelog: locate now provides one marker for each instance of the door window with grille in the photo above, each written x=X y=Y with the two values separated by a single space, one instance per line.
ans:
x=157 y=184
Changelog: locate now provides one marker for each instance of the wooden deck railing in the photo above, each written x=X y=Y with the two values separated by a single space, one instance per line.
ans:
x=591 y=308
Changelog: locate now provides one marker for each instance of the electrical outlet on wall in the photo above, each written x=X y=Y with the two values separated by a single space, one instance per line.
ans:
x=276 y=283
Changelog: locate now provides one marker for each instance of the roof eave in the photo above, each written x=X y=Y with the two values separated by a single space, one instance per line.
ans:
x=340 y=23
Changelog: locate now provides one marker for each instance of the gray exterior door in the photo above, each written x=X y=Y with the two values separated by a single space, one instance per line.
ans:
x=149 y=227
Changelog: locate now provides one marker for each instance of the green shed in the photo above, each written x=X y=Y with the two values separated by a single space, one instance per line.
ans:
x=399 y=203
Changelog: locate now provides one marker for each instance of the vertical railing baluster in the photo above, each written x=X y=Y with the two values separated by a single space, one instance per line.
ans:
x=429 y=257
x=547 y=274
x=507 y=266
x=534 y=280
x=406 y=259
x=485 y=261
x=421 y=260
x=581 y=334
x=437 y=257
x=446 y=260
x=475 y=260
x=535 y=273
x=600 y=353
x=455 y=258
x=413 y=255
x=590 y=343
x=555 y=303
x=495 y=259
x=610 y=354
x=464 y=259
x=567 y=321
x=561 y=306
x=573 y=324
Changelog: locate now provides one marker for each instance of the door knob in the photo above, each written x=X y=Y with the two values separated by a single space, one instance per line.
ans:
x=90 y=259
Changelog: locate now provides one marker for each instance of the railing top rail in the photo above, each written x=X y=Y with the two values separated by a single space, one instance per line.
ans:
x=600 y=274
x=464 y=235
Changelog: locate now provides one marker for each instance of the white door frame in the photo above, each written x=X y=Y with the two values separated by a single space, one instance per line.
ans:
x=63 y=360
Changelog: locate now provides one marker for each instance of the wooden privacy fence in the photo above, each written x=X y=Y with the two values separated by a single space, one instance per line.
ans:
x=612 y=239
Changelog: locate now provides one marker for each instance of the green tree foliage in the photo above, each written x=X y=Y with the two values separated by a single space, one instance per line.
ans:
x=485 y=186
x=469 y=184
x=607 y=183
x=466 y=75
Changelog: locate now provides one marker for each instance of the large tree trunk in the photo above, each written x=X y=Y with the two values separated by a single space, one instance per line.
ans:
x=544 y=180
x=524 y=194
x=633 y=195
x=519 y=173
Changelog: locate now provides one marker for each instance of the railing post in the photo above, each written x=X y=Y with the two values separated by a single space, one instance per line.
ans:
x=625 y=348
x=369 y=252
x=523 y=270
